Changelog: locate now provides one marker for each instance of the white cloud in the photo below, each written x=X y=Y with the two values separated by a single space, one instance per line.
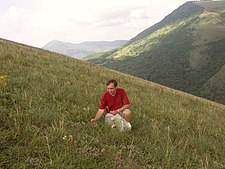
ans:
x=13 y=21
x=37 y=22
x=13 y=13
x=138 y=13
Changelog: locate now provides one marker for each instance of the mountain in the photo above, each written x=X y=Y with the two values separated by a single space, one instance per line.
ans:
x=184 y=51
x=82 y=49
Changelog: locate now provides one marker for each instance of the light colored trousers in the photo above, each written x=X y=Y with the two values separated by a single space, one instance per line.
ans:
x=109 y=117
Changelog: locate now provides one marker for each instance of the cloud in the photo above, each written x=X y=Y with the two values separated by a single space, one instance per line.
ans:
x=121 y=16
x=37 y=22
x=139 y=13
x=14 y=20
x=13 y=13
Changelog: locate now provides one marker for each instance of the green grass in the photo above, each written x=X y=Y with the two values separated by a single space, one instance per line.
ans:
x=47 y=101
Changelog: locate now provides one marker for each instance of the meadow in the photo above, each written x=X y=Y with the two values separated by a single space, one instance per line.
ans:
x=47 y=101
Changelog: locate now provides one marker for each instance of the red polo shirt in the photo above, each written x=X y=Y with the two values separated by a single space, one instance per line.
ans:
x=114 y=102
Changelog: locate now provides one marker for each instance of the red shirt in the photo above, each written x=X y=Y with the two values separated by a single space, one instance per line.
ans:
x=114 y=102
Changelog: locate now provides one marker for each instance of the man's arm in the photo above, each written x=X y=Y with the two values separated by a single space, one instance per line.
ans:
x=126 y=106
x=98 y=115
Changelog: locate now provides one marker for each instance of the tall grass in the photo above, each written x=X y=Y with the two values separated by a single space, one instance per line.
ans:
x=47 y=101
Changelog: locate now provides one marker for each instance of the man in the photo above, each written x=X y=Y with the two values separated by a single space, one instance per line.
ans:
x=113 y=102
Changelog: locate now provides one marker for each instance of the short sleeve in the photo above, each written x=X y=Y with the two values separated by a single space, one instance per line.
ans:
x=125 y=99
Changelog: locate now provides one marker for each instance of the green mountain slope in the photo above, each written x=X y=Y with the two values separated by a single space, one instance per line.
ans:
x=184 y=51
x=47 y=101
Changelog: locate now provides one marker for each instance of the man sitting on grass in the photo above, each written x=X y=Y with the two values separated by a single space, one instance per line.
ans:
x=115 y=103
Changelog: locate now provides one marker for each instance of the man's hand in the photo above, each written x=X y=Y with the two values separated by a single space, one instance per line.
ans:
x=114 y=112
x=97 y=116
x=94 y=121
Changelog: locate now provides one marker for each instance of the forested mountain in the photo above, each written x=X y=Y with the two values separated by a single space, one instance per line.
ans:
x=184 y=51
x=83 y=49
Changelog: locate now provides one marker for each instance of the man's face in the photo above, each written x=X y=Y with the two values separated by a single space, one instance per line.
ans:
x=111 y=89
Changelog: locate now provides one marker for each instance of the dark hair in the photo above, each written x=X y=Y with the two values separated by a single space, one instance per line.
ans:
x=111 y=81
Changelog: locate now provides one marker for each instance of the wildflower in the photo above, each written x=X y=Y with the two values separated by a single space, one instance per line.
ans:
x=102 y=150
x=64 y=137
x=70 y=138
x=2 y=77
x=34 y=161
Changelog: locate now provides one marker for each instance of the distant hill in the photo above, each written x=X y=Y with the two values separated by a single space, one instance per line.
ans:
x=48 y=99
x=82 y=49
x=184 y=51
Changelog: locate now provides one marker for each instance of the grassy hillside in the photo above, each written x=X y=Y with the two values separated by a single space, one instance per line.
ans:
x=184 y=51
x=47 y=101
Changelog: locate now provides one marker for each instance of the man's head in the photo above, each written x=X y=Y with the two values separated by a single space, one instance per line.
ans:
x=111 y=86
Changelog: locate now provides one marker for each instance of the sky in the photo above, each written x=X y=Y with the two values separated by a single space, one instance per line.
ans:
x=37 y=22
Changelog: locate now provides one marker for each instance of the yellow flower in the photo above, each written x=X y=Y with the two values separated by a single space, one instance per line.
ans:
x=2 y=77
